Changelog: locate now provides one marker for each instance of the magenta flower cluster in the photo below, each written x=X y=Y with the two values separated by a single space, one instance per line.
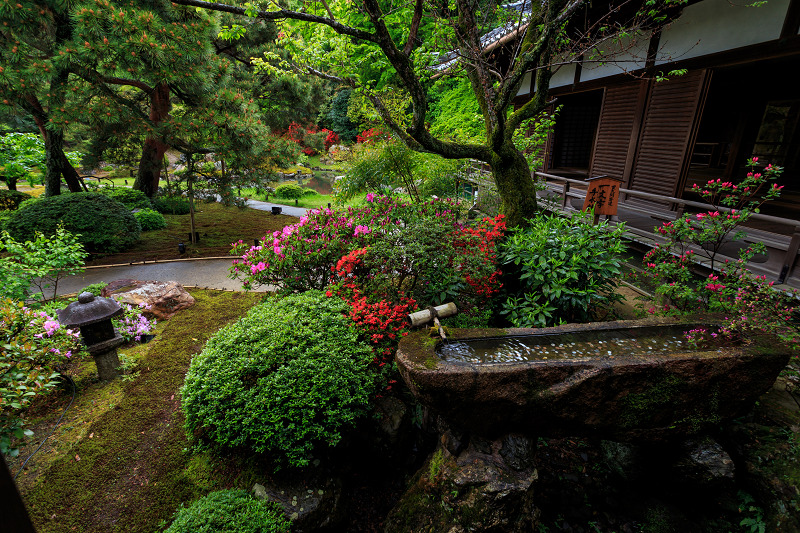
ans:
x=302 y=256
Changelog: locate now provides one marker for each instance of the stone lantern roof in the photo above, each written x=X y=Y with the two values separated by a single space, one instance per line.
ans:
x=88 y=310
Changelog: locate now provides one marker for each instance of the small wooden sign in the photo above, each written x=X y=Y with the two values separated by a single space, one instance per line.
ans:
x=602 y=194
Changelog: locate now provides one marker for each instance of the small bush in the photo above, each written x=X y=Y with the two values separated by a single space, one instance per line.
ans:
x=289 y=376
x=10 y=200
x=95 y=288
x=4 y=216
x=171 y=206
x=150 y=220
x=103 y=225
x=560 y=270
x=308 y=191
x=289 y=191
x=230 y=511
x=130 y=198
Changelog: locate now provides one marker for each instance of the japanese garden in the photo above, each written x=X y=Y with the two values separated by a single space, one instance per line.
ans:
x=378 y=266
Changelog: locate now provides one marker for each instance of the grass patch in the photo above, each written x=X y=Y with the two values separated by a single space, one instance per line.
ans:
x=218 y=225
x=121 y=461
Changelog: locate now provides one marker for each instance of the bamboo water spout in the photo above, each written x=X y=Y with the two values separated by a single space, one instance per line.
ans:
x=432 y=314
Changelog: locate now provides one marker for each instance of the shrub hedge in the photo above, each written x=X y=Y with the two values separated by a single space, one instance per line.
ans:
x=290 y=375
x=230 y=511
x=171 y=206
x=130 y=198
x=289 y=191
x=10 y=200
x=102 y=224
x=150 y=220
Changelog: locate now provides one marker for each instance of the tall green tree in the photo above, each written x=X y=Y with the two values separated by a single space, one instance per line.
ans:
x=33 y=79
x=421 y=41
x=147 y=69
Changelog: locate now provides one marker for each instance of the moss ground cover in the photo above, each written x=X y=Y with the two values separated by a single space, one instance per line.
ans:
x=119 y=462
x=218 y=226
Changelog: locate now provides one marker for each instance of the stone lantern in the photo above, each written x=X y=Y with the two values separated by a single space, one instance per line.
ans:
x=93 y=316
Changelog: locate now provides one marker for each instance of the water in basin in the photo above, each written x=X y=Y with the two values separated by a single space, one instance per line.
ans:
x=610 y=343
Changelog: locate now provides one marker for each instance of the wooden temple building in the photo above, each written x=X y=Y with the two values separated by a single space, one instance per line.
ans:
x=634 y=119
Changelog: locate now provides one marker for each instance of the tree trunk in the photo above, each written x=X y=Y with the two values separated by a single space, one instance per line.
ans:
x=58 y=165
x=516 y=187
x=149 y=172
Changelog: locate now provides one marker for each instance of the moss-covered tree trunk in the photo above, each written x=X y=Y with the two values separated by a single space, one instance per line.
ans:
x=512 y=176
x=149 y=173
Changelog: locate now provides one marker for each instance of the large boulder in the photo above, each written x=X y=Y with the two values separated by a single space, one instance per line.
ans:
x=487 y=487
x=311 y=503
x=161 y=299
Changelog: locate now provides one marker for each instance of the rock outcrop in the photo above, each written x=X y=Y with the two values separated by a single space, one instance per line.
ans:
x=161 y=299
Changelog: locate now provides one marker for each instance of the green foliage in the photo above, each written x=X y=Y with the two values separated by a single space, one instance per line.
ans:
x=336 y=118
x=19 y=153
x=230 y=511
x=560 y=270
x=31 y=344
x=171 y=206
x=384 y=166
x=39 y=263
x=130 y=198
x=753 y=521
x=102 y=225
x=150 y=220
x=289 y=191
x=531 y=137
x=95 y=288
x=286 y=378
x=455 y=113
x=4 y=216
x=10 y=200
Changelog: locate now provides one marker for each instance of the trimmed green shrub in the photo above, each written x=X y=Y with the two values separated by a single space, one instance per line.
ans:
x=230 y=511
x=289 y=376
x=95 y=288
x=171 y=206
x=289 y=191
x=560 y=270
x=130 y=198
x=103 y=225
x=10 y=200
x=150 y=220
x=308 y=191
x=4 y=216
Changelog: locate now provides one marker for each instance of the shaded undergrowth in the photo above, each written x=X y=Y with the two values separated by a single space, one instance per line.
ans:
x=122 y=463
x=218 y=226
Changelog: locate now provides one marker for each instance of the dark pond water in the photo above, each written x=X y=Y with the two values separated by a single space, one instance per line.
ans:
x=321 y=184
x=612 y=343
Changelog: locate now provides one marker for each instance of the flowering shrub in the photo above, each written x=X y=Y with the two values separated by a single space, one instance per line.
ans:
x=372 y=136
x=749 y=303
x=698 y=238
x=331 y=138
x=133 y=324
x=32 y=343
x=417 y=251
x=311 y=139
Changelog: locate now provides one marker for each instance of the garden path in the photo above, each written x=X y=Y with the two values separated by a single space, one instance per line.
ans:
x=206 y=273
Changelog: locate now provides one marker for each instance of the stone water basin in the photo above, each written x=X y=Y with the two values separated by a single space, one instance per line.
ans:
x=626 y=380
